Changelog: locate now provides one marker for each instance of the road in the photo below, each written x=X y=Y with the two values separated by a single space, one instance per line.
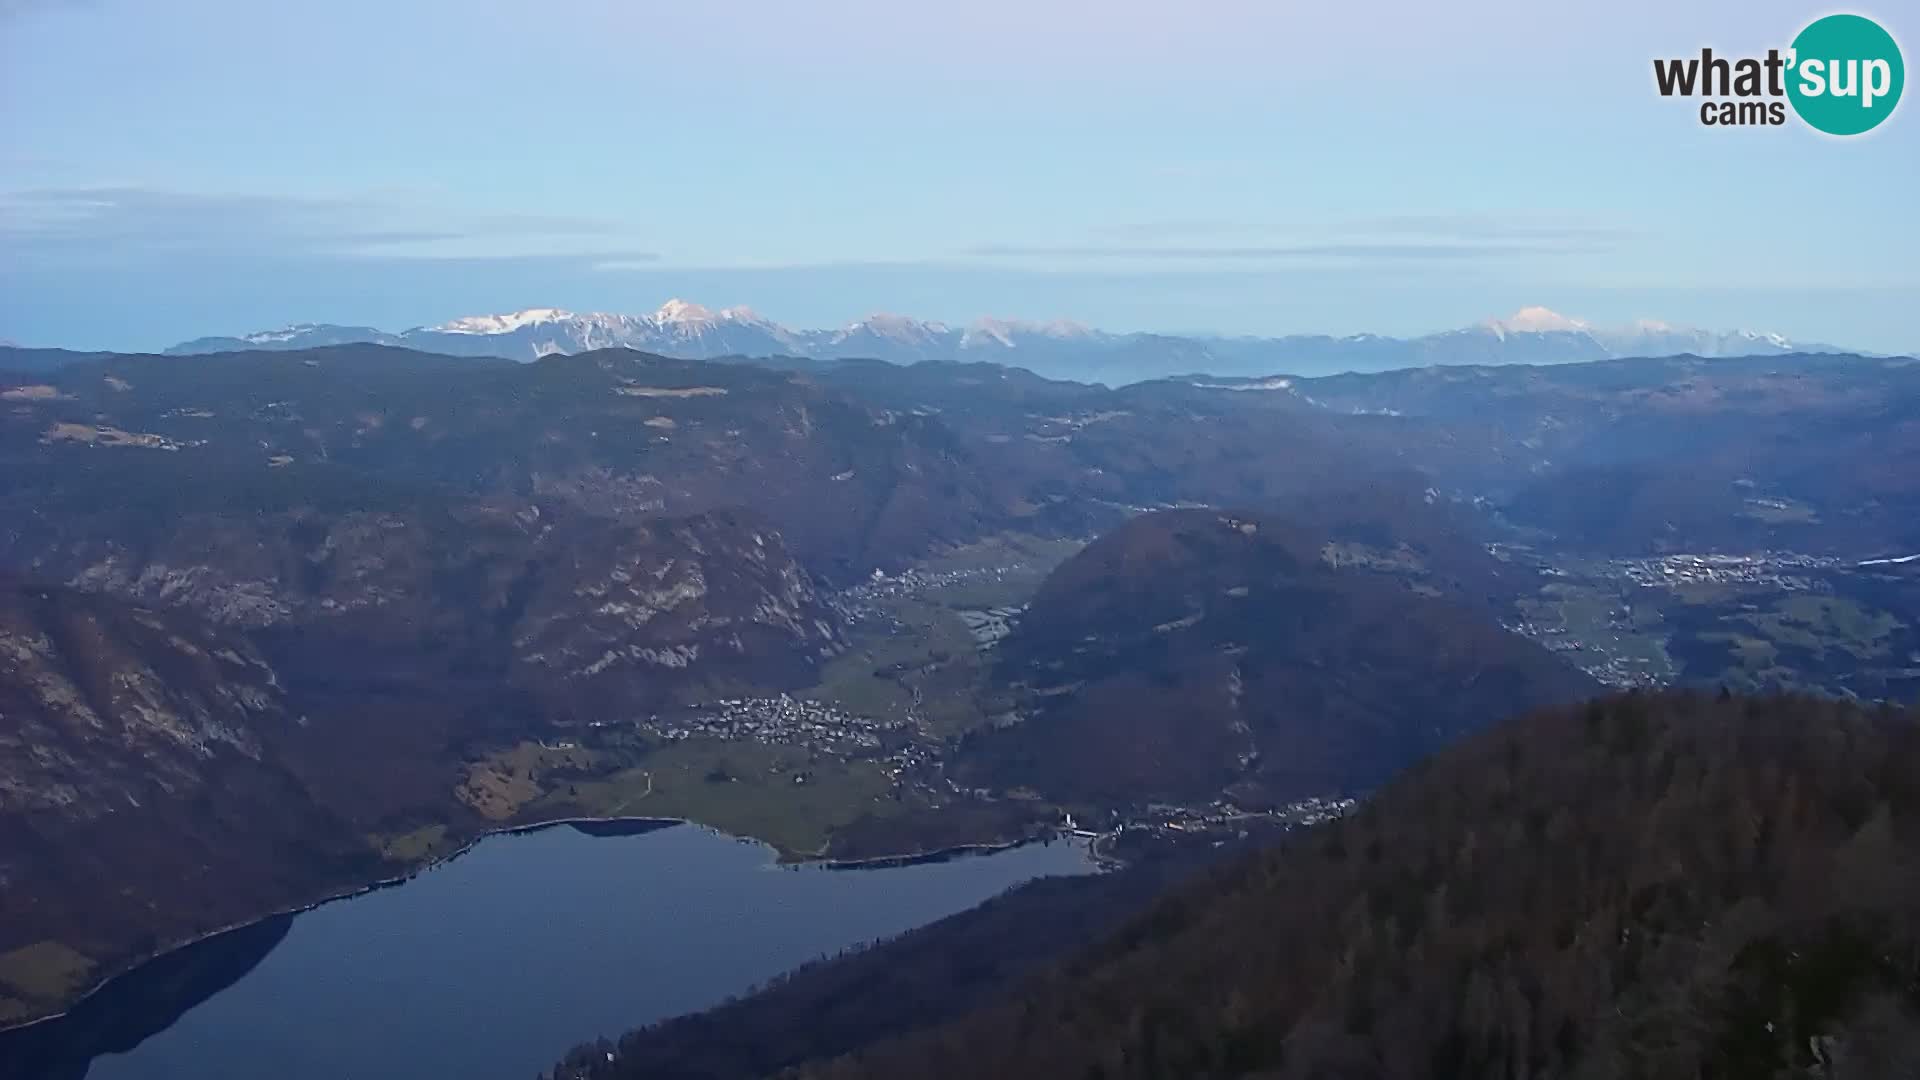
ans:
x=629 y=802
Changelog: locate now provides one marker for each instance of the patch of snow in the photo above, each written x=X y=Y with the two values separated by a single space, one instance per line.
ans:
x=1534 y=320
x=1274 y=383
x=677 y=310
x=503 y=324
x=898 y=328
x=1006 y=332
x=285 y=333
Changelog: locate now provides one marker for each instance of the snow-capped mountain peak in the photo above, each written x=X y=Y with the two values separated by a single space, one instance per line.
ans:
x=1006 y=333
x=285 y=333
x=1641 y=337
x=677 y=310
x=1532 y=335
x=1535 y=320
x=899 y=329
x=503 y=324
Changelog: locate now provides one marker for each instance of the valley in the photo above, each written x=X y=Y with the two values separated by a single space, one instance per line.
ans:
x=1771 y=620
x=1226 y=546
x=862 y=611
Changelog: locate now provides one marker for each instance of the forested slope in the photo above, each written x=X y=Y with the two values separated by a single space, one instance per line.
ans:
x=1647 y=886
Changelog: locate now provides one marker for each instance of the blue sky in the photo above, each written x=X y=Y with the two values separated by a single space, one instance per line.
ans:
x=1244 y=166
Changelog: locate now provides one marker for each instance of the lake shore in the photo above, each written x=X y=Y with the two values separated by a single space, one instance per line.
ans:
x=639 y=823
x=341 y=894
x=938 y=855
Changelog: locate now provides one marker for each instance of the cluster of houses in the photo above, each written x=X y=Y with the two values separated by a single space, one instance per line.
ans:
x=865 y=601
x=814 y=726
x=1601 y=656
x=1780 y=570
x=1597 y=658
x=776 y=721
x=1222 y=815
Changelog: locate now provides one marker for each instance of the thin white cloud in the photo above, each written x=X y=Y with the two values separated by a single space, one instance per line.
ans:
x=1454 y=227
x=1283 y=251
x=125 y=222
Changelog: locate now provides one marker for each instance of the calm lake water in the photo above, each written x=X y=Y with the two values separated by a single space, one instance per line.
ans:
x=494 y=964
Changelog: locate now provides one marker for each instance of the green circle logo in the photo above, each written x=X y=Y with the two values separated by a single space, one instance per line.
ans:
x=1844 y=74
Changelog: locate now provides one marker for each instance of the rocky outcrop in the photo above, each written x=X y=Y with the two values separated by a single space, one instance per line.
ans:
x=572 y=607
x=142 y=797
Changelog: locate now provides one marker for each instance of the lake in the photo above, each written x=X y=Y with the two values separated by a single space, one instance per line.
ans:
x=495 y=963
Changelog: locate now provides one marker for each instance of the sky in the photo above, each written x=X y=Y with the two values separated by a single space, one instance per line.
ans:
x=176 y=168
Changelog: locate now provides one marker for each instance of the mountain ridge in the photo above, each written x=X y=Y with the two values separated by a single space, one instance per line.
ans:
x=1059 y=347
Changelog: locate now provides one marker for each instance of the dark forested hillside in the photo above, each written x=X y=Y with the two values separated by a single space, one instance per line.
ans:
x=1681 y=453
x=1648 y=886
x=614 y=433
x=139 y=744
x=1191 y=652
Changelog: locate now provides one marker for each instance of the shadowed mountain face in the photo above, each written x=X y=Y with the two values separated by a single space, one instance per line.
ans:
x=141 y=745
x=1646 y=886
x=867 y=464
x=616 y=434
x=861 y=466
x=1801 y=453
x=576 y=609
x=128 y=1011
x=1794 y=452
x=1191 y=652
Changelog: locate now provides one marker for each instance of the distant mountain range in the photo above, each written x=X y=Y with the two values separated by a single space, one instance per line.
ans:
x=1533 y=335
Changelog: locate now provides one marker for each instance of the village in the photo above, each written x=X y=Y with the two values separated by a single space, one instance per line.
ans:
x=1588 y=613
x=1772 y=569
x=866 y=601
x=824 y=729
x=1616 y=655
x=1161 y=825
x=814 y=726
x=1221 y=814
